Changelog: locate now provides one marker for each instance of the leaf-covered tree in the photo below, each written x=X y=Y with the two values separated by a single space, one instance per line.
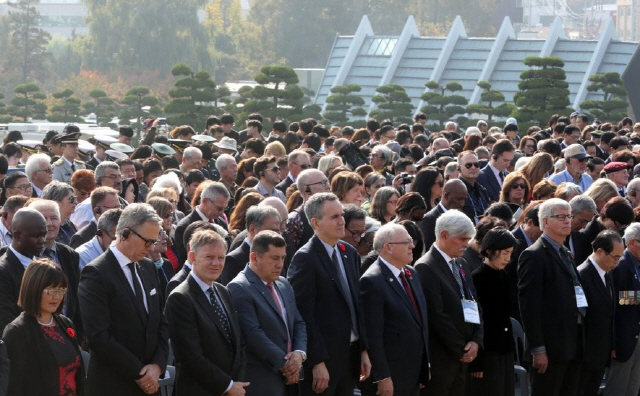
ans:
x=67 y=108
x=543 y=90
x=102 y=106
x=4 y=116
x=393 y=103
x=277 y=95
x=135 y=100
x=441 y=106
x=614 y=102
x=488 y=99
x=343 y=102
x=28 y=102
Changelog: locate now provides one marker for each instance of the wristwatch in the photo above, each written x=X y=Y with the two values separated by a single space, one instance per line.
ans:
x=304 y=355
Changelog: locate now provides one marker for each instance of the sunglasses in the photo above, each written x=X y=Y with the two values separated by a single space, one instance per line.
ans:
x=303 y=166
x=275 y=169
x=440 y=183
x=518 y=185
x=468 y=165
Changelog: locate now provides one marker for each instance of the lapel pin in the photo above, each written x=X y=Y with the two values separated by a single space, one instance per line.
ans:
x=390 y=279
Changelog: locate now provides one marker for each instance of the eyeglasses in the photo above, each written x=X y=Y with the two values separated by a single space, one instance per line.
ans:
x=582 y=159
x=73 y=199
x=468 y=165
x=392 y=202
x=303 y=166
x=518 y=185
x=168 y=216
x=275 y=169
x=324 y=182
x=147 y=242
x=563 y=217
x=355 y=234
x=48 y=170
x=407 y=242
x=615 y=258
x=114 y=176
x=376 y=156
x=55 y=292
x=24 y=187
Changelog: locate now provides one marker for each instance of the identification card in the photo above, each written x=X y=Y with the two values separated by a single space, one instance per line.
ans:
x=470 y=310
x=581 y=299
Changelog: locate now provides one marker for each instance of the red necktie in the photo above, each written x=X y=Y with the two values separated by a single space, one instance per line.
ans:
x=275 y=298
x=407 y=289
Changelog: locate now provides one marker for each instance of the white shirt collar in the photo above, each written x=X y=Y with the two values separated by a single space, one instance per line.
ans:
x=601 y=272
x=330 y=249
x=188 y=264
x=442 y=207
x=202 y=216
x=446 y=256
x=122 y=259
x=24 y=260
x=67 y=161
x=37 y=190
x=394 y=270
x=200 y=282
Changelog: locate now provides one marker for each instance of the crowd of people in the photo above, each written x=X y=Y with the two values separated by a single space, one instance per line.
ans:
x=316 y=260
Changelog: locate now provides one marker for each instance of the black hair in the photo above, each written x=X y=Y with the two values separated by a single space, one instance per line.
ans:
x=194 y=175
x=605 y=240
x=126 y=130
x=495 y=240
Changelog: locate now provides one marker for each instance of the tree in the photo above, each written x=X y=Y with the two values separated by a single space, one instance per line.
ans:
x=102 y=106
x=489 y=97
x=68 y=108
x=392 y=103
x=28 y=102
x=277 y=95
x=135 y=100
x=614 y=102
x=4 y=117
x=543 y=90
x=342 y=102
x=195 y=96
x=442 y=107
x=26 y=58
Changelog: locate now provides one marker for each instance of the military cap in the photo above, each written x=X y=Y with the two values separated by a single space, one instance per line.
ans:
x=112 y=155
x=103 y=141
x=179 y=144
x=121 y=147
x=615 y=166
x=162 y=149
x=85 y=147
x=203 y=138
x=32 y=146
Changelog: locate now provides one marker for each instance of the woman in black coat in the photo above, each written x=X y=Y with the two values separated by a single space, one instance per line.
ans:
x=493 y=369
x=44 y=353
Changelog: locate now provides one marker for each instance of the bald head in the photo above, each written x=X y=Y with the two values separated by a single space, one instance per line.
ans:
x=29 y=229
x=454 y=194
x=312 y=181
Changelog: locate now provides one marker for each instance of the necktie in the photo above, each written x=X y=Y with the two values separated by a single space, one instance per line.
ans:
x=48 y=253
x=567 y=259
x=220 y=314
x=137 y=290
x=73 y=167
x=345 y=290
x=409 y=292
x=275 y=298
x=455 y=268
x=501 y=174
x=607 y=283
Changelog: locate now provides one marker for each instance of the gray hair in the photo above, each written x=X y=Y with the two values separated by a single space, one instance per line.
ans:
x=548 y=208
x=41 y=204
x=583 y=203
x=168 y=180
x=109 y=219
x=56 y=190
x=632 y=232
x=34 y=162
x=385 y=151
x=384 y=234
x=481 y=152
x=135 y=215
x=633 y=185
x=452 y=167
x=214 y=190
x=572 y=188
x=456 y=223
x=325 y=162
x=102 y=167
x=314 y=205
x=191 y=152
x=303 y=178
x=295 y=154
x=560 y=165
x=205 y=237
x=257 y=215
x=223 y=161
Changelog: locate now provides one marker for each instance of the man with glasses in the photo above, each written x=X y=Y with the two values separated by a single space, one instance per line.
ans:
x=393 y=303
x=576 y=158
x=477 y=197
x=269 y=174
x=380 y=157
x=492 y=175
x=299 y=160
x=571 y=135
x=39 y=171
x=67 y=164
x=120 y=303
x=387 y=134
x=17 y=183
x=106 y=234
x=596 y=279
x=354 y=224
x=101 y=200
x=552 y=304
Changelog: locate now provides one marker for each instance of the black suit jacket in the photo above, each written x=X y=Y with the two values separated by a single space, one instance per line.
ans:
x=512 y=272
x=234 y=263
x=398 y=335
x=428 y=226
x=547 y=301
x=448 y=331
x=319 y=296
x=34 y=368
x=283 y=185
x=177 y=279
x=206 y=361
x=488 y=180
x=627 y=317
x=477 y=200
x=11 y=271
x=84 y=235
x=599 y=319
x=70 y=264
x=180 y=248
x=121 y=337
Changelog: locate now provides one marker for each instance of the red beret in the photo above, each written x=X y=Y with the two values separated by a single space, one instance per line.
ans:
x=615 y=166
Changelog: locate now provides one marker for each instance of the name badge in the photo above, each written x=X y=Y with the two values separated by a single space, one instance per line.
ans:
x=470 y=311
x=581 y=299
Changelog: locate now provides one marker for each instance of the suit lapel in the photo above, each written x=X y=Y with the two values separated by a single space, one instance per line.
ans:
x=262 y=289
x=205 y=304
x=124 y=282
x=443 y=266
x=327 y=262
x=284 y=292
x=395 y=285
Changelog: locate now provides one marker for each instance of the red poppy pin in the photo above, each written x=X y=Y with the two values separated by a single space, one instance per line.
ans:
x=408 y=273
x=342 y=247
x=71 y=332
x=462 y=272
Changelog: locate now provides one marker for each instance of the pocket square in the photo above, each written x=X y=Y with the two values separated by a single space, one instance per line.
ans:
x=153 y=292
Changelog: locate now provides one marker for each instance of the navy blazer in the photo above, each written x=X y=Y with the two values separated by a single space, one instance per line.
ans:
x=627 y=317
x=488 y=179
x=177 y=279
x=398 y=335
x=265 y=333
x=234 y=263
x=428 y=226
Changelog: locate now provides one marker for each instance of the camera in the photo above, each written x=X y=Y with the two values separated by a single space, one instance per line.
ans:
x=352 y=156
x=407 y=178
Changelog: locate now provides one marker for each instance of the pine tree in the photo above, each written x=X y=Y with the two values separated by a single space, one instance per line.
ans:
x=440 y=106
x=67 y=109
x=277 y=95
x=343 y=102
x=489 y=97
x=28 y=102
x=392 y=103
x=614 y=102
x=135 y=100
x=102 y=106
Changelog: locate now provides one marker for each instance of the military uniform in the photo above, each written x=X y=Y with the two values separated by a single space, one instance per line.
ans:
x=62 y=170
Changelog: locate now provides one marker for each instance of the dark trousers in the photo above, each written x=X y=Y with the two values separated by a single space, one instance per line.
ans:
x=342 y=379
x=446 y=383
x=561 y=378
x=590 y=381
x=498 y=376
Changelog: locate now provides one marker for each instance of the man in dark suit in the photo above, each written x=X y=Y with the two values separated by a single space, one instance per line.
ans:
x=102 y=199
x=477 y=197
x=493 y=174
x=211 y=364
x=213 y=202
x=596 y=280
x=29 y=233
x=298 y=161
x=623 y=376
x=259 y=218
x=455 y=335
x=393 y=303
x=583 y=209
x=454 y=195
x=273 y=330
x=121 y=308
x=324 y=275
x=552 y=304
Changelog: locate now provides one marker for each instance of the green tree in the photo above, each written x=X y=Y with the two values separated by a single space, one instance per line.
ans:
x=135 y=101
x=26 y=57
x=392 y=103
x=102 y=106
x=343 y=102
x=67 y=109
x=543 y=90
x=277 y=95
x=614 y=102
x=488 y=98
x=28 y=102
x=4 y=116
x=440 y=106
